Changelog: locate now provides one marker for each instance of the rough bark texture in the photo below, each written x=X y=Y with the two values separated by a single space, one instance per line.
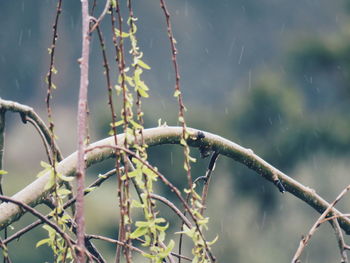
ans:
x=34 y=193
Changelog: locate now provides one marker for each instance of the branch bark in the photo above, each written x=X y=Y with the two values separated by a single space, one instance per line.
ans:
x=81 y=129
x=34 y=193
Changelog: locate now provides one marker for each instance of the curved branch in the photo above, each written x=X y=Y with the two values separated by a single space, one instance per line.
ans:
x=24 y=110
x=34 y=193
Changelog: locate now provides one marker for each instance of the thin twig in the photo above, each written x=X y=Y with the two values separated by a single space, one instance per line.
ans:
x=177 y=88
x=2 y=143
x=99 y=19
x=119 y=243
x=26 y=111
x=172 y=207
x=313 y=229
x=102 y=178
x=207 y=178
x=41 y=217
x=340 y=240
x=167 y=183
x=46 y=146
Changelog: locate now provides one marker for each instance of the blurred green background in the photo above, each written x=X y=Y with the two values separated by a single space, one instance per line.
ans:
x=270 y=75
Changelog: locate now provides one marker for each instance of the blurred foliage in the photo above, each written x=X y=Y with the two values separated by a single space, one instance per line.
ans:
x=295 y=117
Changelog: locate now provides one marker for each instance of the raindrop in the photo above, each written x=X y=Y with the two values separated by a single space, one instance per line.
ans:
x=270 y=120
x=226 y=111
x=151 y=43
x=20 y=38
x=171 y=159
x=263 y=220
x=241 y=55
x=283 y=27
x=186 y=8
x=250 y=79
x=17 y=84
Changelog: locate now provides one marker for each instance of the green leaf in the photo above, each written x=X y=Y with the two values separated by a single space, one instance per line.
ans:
x=143 y=64
x=65 y=178
x=45 y=165
x=177 y=93
x=135 y=124
x=50 y=182
x=117 y=123
x=90 y=189
x=63 y=192
x=2 y=172
x=136 y=204
x=123 y=34
x=42 y=242
x=143 y=93
x=167 y=250
x=140 y=231
x=213 y=241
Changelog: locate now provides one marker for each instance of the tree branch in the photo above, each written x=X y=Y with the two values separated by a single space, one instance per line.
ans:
x=27 y=111
x=34 y=193
x=81 y=129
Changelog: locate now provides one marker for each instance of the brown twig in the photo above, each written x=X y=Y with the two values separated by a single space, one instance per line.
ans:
x=313 y=229
x=207 y=178
x=46 y=146
x=27 y=112
x=99 y=19
x=172 y=207
x=41 y=217
x=81 y=129
x=96 y=183
x=173 y=188
x=2 y=142
x=179 y=96
x=123 y=185
x=119 y=243
x=50 y=84
x=340 y=240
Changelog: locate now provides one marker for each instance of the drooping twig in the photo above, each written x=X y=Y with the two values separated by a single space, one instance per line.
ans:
x=313 y=229
x=82 y=126
x=28 y=112
x=33 y=193
x=46 y=146
x=340 y=240
x=173 y=188
x=5 y=253
x=50 y=84
x=207 y=178
x=102 y=178
x=172 y=207
x=41 y=217
x=150 y=204
x=119 y=243
x=99 y=19
x=178 y=93
x=2 y=143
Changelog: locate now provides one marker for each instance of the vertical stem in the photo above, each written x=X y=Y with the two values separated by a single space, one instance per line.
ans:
x=81 y=133
x=2 y=145
x=2 y=141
